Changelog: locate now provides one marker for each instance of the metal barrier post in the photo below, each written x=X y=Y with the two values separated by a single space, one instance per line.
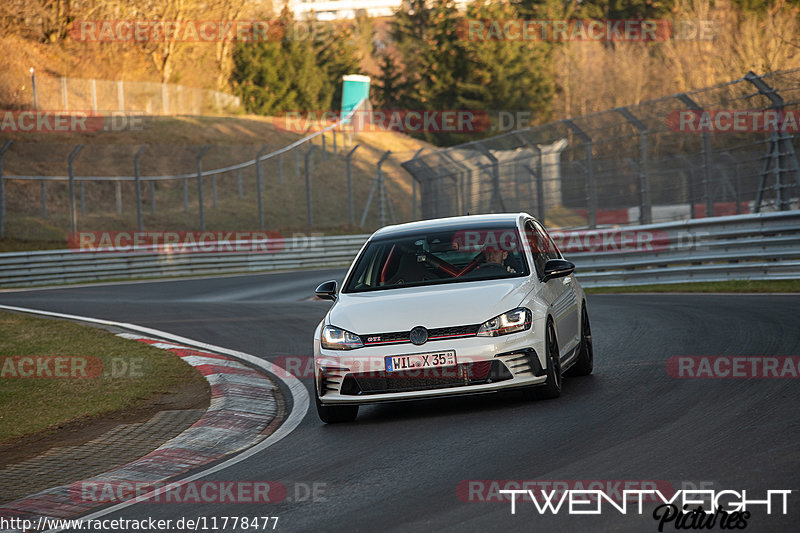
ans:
x=645 y=208
x=70 y=161
x=136 y=176
x=351 y=211
x=200 y=185
x=260 y=186
x=239 y=182
x=3 y=191
x=280 y=169
x=310 y=215
x=186 y=195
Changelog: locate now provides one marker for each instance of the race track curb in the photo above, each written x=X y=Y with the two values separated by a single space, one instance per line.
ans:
x=244 y=410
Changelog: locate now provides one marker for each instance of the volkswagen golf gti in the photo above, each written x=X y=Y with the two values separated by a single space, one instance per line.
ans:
x=451 y=306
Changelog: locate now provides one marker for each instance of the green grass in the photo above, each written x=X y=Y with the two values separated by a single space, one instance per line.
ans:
x=29 y=405
x=764 y=286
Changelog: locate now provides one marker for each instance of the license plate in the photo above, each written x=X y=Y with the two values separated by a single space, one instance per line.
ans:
x=395 y=363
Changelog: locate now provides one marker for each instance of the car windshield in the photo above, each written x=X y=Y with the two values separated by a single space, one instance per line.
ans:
x=432 y=258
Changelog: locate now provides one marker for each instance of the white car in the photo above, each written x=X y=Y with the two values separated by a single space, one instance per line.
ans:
x=450 y=306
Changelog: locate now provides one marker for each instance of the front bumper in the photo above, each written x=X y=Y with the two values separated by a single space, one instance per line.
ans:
x=484 y=364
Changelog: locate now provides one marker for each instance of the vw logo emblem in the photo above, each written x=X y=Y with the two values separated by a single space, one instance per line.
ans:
x=418 y=335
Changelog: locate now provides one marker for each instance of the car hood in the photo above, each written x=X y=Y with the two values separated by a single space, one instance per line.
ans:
x=437 y=306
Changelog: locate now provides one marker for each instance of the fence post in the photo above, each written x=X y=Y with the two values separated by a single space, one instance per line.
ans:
x=70 y=161
x=280 y=168
x=44 y=199
x=335 y=148
x=591 y=185
x=200 y=185
x=214 y=191
x=136 y=177
x=239 y=182
x=414 y=187
x=309 y=214
x=64 y=96
x=707 y=163
x=93 y=87
x=351 y=210
x=121 y=96
x=323 y=146
x=83 y=198
x=164 y=99
x=781 y=154
x=296 y=162
x=185 y=195
x=260 y=186
x=5 y=147
x=496 y=194
x=33 y=87
x=376 y=184
x=118 y=195
x=153 y=196
x=645 y=208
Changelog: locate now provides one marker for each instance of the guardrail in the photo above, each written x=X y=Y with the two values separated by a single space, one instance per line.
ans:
x=758 y=246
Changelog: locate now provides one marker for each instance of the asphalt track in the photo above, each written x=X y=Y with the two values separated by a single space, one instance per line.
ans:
x=398 y=467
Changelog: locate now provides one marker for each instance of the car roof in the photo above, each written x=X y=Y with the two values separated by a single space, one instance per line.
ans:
x=468 y=222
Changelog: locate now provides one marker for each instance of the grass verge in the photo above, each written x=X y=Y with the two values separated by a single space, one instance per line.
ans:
x=765 y=286
x=130 y=374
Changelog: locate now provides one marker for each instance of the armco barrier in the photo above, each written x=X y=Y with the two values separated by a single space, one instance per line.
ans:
x=758 y=246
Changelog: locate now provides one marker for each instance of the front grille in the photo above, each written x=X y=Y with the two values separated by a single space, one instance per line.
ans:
x=460 y=375
x=399 y=337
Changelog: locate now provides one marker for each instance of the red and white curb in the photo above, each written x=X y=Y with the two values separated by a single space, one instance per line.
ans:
x=243 y=415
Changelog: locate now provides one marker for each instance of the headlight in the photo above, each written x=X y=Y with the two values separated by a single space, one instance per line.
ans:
x=334 y=338
x=518 y=319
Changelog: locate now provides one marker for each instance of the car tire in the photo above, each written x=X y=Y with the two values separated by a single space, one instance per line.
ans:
x=551 y=388
x=585 y=363
x=335 y=414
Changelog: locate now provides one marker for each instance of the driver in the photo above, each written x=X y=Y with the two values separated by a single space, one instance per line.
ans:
x=493 y=262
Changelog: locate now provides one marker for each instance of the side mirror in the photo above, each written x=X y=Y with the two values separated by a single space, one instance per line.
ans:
x=327 y=290
x=557 y=268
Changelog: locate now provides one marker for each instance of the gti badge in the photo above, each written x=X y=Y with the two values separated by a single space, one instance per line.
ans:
x=418 y=335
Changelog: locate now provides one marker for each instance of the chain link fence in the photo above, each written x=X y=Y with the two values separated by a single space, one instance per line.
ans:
x=329 y=179
x=721 y=150
x=140 y=97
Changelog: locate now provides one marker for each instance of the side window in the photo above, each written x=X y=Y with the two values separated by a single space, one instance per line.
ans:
x=550 y=247
x=538 y=247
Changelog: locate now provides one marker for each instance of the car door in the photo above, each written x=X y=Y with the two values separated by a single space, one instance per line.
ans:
x=559 y=293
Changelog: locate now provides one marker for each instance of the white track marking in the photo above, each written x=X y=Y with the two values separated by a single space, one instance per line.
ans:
x=300 y=398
